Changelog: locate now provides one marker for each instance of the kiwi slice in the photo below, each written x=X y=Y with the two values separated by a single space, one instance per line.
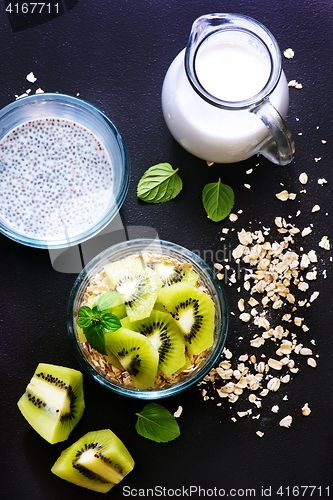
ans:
x=169 y=273
x=53 y=402
x=194 y=312
x=97 y=461
x=166 y=337
x=138 y=284
x=136 y=354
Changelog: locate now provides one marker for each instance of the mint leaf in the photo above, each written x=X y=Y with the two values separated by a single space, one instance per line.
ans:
x=159 y=183
x=218 y=200
x=106 y=300
x=156 y=423
x=84 y=316
x=95 y=336
x=109 y=322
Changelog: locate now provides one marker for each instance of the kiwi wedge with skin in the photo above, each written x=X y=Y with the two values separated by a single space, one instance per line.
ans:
x=170 y=273
x=194 y=312
x=97 y=461
x=136 y=355
x=165 y=335
x=138 y=284
x=53 y=402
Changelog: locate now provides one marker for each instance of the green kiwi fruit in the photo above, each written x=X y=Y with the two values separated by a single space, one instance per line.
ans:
x=53 y=402
x=169 y=273
x=194 y=312
x=97 y=461
x=136 y=355
x=138 y=283
x=164 y=334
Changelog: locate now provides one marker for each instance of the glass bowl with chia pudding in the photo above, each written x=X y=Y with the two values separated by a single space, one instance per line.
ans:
x=64 y=170
x=172 y=318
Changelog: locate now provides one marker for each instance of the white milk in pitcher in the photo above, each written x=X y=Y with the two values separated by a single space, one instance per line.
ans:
x=229 y=71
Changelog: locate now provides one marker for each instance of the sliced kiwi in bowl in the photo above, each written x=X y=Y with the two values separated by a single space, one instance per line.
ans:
x=137 y=283
x=165 y=288
x=164 y=334
x=194 y=312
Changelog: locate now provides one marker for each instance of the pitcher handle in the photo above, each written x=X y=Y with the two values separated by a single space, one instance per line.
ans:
x=281 y=147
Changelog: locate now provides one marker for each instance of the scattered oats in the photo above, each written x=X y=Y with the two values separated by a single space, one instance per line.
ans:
x=248 y=186
x=323 y=141
x=257 y=342
x=317 y=159
x=253 y=302
x=298 y=321
x=273 y=384
x=234 y=419
x=275 y=409
x=178 y=412
x=20 y=96
x=238 y=251
x=245 y=317
x=227 y=353
x=312 y=362
x=315 y=208
x=31 y=77
x=260 y=434
x=305 y=261
x=312 y=256
x=285 y=379
x=294 y=83
x=325 y=243
x=241 y=305
x=220 y=276
x=322 y=181
x=243 y=413
x=306 y=231
x=249 y=171
x=286 y=421
x=225 y=230
x=283 y=195
x=314 y=296
x=218 y=266
x=306 y=351
x=233 y=217
x=275 y=364
x=303 y=178
x=303 y=286
x=243 y=357
x=306 y=410
x=292 y=196
x=210 y=163
x=311 y=275
x=289 y=53
x=39 y=91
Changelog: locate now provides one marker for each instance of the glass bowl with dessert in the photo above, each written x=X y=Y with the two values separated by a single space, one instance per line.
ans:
x=147 y=318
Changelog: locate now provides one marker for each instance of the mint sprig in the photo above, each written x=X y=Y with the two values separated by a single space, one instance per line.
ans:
x=159 y=183
x=218 y=200
x=156 y=423
x=97 y=320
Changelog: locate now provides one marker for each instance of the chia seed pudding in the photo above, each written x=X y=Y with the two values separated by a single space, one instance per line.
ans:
x=55 y=179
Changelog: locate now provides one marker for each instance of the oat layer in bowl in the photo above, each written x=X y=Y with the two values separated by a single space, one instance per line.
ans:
x=92 y=282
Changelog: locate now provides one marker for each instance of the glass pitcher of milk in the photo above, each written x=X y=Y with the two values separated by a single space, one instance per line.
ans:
x=225 y=97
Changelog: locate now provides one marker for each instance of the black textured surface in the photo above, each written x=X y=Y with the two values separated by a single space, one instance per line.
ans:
x=115 y=55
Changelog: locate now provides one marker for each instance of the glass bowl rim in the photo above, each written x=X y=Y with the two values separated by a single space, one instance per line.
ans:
x=119 y=197
x=178 y=386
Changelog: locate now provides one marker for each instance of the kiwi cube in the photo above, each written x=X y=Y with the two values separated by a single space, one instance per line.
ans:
x=53 y=402
x=97 y=461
